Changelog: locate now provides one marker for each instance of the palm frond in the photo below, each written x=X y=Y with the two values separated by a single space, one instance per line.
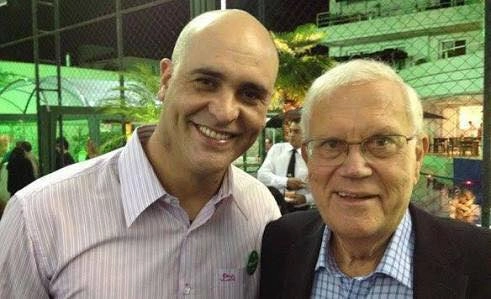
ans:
x=136 y=100
x=298 y=67
x=301 y=40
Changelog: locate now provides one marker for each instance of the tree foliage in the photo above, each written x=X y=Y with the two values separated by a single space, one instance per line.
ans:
x=8 y=77
x=137 y=102
x=299 y=66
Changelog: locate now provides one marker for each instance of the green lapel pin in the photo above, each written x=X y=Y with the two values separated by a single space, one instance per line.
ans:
x=252 y=262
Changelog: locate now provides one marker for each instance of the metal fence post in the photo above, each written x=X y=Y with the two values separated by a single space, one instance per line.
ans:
x=486 y=149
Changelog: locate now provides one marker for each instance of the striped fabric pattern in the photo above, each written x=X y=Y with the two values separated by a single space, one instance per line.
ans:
x=393 y=277
x=105 y=228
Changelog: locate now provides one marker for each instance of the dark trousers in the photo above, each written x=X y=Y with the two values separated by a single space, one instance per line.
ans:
x=285 y=207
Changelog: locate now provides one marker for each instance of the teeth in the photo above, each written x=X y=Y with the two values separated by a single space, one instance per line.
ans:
x=213 y=134
x=346 y=194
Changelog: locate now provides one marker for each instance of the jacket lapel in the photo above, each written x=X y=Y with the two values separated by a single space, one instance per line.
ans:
x=302 y=258
x=437 y=261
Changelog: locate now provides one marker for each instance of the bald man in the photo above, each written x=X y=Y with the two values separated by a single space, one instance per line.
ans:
x=167 y=216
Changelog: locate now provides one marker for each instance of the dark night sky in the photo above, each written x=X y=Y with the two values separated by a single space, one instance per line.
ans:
x=148 y=33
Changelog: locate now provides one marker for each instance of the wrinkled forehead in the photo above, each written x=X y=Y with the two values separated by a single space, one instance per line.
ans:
x=362 y=107
x=232 y=53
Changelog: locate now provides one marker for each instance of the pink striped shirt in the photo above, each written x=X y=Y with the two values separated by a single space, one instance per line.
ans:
x=106 y=228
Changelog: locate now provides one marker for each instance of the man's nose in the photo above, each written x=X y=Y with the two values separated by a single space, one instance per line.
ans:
x=355 y=164
x=225 y=108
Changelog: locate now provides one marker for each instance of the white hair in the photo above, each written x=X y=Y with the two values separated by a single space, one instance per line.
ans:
x=355 y=71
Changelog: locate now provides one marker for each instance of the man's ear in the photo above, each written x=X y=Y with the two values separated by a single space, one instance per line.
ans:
x=421 y=148
x=165 y=75
x=305 y=155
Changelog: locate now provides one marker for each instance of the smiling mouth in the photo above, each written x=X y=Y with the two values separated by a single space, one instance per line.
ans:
x=213 y=134
x=354 y=195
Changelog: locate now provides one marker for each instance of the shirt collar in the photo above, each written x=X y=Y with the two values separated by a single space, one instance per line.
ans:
x=140 y=186
x=225 y=191
x=398 y=257
x=322 y=259
x=236 y=191
x=224 y=194
x=290 y=147
x=396 y=261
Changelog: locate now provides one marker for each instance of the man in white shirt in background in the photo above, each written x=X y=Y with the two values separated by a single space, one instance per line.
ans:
x=289 y=186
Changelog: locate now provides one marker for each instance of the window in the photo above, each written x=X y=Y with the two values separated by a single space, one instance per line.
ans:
x=470 y=113
x=452 y=48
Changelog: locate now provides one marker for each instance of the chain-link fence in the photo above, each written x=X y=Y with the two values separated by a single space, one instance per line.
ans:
x=436 y=45
x=438 y=48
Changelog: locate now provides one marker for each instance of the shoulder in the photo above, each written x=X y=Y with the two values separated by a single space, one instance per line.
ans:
x=295 y=225
x=460 y=231
x=473 y=242
x=308 y=219
x=74 y=183
x=278 y=147
x=245 y=186
x=244 y=181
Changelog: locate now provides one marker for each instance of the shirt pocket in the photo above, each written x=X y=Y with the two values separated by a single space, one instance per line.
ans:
x=231 y=283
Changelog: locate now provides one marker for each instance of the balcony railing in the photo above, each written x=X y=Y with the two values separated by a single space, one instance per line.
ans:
x=328 y=19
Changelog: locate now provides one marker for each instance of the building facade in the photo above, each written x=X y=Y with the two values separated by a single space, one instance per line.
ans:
x=437 y=47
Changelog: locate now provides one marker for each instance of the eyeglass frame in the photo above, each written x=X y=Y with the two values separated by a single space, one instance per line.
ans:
x=362 y=143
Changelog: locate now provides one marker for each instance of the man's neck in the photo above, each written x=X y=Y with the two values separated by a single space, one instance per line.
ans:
x=295 y=148
x=357 y=257
x=193 y=190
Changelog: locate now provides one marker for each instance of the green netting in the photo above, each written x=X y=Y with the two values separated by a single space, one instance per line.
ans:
x=80 y=87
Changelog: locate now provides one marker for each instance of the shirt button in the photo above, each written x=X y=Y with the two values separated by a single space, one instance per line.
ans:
x=187 y=290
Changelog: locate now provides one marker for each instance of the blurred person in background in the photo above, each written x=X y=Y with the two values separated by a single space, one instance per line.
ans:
x=4 y=145
x=20 y=170
x=62 y=156
x=4 y=154
x=91 y=149
x=284 y=171
x=471 y=130
x=463 y=207
x=27 y=147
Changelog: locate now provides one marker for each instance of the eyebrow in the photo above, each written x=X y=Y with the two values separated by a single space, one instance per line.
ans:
x=381 y=132
x=207 y=71
x=244 y=85
x=251 y=85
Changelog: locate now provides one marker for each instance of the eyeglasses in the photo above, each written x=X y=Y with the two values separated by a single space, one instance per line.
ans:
x=333 y=151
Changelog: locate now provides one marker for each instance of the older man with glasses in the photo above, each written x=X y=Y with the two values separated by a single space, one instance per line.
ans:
x=364 y=146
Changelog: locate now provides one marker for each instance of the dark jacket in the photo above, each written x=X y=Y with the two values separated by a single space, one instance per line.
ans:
x=20 y=171
x=451 y=259
x=62 y=160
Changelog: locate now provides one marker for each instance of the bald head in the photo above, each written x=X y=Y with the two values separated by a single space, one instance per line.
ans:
x=224 y=24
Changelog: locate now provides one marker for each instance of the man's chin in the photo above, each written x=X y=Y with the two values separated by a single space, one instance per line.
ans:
x=212 y=164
